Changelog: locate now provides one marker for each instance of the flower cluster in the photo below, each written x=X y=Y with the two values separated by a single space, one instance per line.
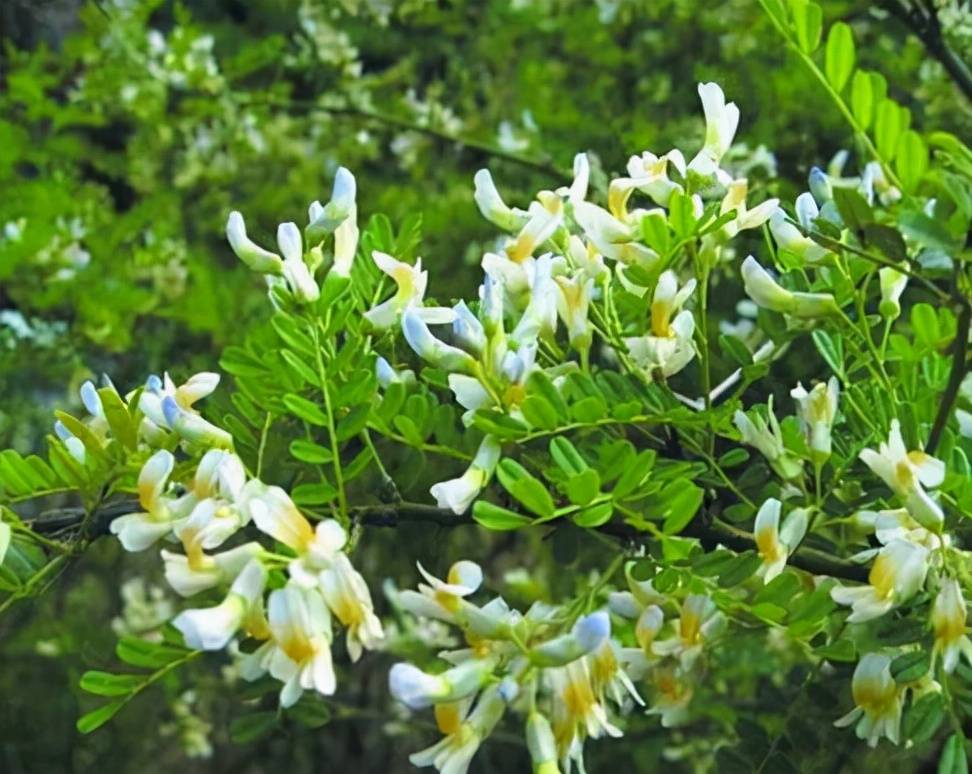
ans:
x=568 y=675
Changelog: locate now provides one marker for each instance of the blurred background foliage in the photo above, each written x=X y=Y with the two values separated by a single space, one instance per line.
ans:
x=130 y=128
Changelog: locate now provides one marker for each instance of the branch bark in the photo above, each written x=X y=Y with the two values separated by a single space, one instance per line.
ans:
x=710 y=532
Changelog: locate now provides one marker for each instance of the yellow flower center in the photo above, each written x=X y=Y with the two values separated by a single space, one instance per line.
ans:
x=448 y=718
x=297 y=645
x=882 y=576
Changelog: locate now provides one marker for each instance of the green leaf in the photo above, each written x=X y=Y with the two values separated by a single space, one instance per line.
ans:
x=540 y=384
x=839 y=650
x=924 y=321
x=147 y=655
x=108 y=684
x=300 y=367
x=95 y=719
x=249 y=728
x=681 y=214
x=911 y=159
x=840 y=56
x=910 y=666
x=853 y=208
x=311 y=711
x=683 y=500
x=635 y=474
x=496 y=518
x=927 y=232
x=313 y=494
x=742 y=568
x=526 y=489
x=119 y=420
x=352 y=424
x=584 y=486
x=808 y=24
x=888 y=126
x=595 y=516
x=924 y=718
x=498 y=424
x=308 y=451
x=831 y=349
x=953 y=759
x=538 y=411
x=735 y=349
x=887 y=239
x=305 y=409
x=862 y=99
x=565 y=454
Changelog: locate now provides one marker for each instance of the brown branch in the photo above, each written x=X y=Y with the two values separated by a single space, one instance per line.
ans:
x=960 y=366
x=710 y=532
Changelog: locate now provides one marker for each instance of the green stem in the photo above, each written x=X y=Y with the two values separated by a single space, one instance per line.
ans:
x=331 y=429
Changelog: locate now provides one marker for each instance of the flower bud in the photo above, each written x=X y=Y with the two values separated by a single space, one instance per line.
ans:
x=541 y=744
x=251 y=254
x=586 y=636
x=417 y=689
x=192 y=427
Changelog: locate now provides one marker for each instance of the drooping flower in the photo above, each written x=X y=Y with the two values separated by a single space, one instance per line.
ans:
x=790 y=238
x=897 y=574
x=298 y=652
x=893 y=284
x=208 y=571
x=492 y=206
x=576 y=711
x=428 y=347
x=463 y=734
x=192 y=428
x=878 y=700
x=458 y=494
x=291 y=267
x=668 y=347
x=417 y=689
x=699 y=620
x=138 y=531
x=907 y=473
x=587 y=635
x=612 y=237
x=349 y=599
x=443 y=599
x=775 y=545
x=541 y=744
x=948 y=619
x=735 y=200
x=767 y=293
x=673 y=694
x=274 y=513
x=212 y=628
x=817 y=411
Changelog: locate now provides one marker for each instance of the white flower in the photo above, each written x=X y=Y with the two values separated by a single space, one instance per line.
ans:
x=698 y=621
x=735 y=199
x=347 y=595
x=905 y=472
x=492 y=206
x=768 y=438
x=668 y=347
x=788 y=237
x=612 y=237
x=428 y=347
x=207 y=571
x=948 y=618
x=191 y=427
x=442 y=599
x=298 y=652
x=817 y=411
x=247 y=251
x=138 y=531
x=672 y=697
x=196 y=387
x=339 y=211
x=458 y=494
x=212 y=628
x=210 y=524
x=648 y=173
x=577 y=711
x=721 y=122
x=573 y=303
x=878 y=699
x=417 y=689
x=897 y=574
x=295 y=270
x=767 y=293
x=275 y=514
x=545 y=217
x=587 y=635
x=775 y=545
x=463 y=735
x=412 y=283
x=541 y=744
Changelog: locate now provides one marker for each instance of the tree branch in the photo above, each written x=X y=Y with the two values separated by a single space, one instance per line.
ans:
x=927 y=28
x=710 y=532
x=960 y=366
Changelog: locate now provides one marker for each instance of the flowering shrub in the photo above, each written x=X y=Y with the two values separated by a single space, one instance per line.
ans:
x=796 y=474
